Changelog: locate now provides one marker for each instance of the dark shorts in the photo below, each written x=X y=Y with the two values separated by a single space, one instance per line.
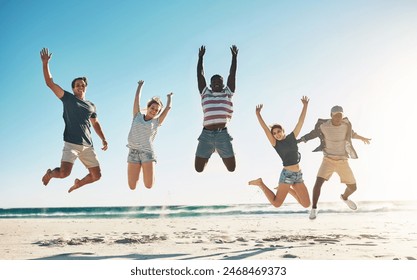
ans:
x=211 y=141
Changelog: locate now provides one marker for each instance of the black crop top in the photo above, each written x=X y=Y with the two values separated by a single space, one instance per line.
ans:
x=287 y=149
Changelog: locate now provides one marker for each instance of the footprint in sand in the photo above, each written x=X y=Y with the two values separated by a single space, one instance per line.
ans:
x=326 y=240
x=361 y=244
x=290 y=256
x=241 y=239
x=371 y=236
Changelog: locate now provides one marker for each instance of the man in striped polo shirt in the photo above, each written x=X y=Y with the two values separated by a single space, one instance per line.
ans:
x=218 y=109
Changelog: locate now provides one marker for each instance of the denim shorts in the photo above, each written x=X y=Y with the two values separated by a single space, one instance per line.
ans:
x=290 y=177
x=138 y=156
x=211 y=141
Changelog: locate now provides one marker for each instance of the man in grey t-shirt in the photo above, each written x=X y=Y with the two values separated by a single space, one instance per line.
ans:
x=79 y=114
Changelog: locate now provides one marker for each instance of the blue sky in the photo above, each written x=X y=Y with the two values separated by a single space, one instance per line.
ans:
x=357 y=54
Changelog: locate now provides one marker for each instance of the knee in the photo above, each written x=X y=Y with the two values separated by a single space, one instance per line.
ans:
x=132 y=185
x=277 y=203
x=352 y=187
x=95 y=176
x=230 y=163
x=148 y=181
x=319 y=183
x=199 y=169
x=306 y=204
x=231 y=168
x=200 y=164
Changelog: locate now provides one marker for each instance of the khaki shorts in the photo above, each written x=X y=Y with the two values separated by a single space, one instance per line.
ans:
x=87 y=155
x=341 y=167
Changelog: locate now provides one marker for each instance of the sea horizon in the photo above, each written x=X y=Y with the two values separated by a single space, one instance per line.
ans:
x=183 y=211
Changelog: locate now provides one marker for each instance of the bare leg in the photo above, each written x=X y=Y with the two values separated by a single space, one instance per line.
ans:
x=148 y=174
x=350 y=188
x=317 y=191
x=300 y=193
x=275 y=199
x=60 y=172
x=200 y=163
x=292 y=192
x=230 y=163
x=133 y=172
x=93 y=176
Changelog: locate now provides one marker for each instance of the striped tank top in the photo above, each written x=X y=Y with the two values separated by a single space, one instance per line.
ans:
x=217 y=106
x=142 y=133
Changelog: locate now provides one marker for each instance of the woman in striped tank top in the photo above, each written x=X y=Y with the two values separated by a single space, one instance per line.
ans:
x=141 y=136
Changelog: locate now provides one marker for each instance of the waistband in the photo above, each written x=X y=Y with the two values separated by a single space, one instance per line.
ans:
x=215 y=130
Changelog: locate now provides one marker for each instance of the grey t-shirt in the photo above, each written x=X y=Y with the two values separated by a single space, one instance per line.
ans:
x=77 y=114
x=287 y=149
x=335 y=139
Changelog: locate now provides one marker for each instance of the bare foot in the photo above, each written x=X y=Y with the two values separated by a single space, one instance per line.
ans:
x=76 y=186
x=47 y=177
x=256 y=182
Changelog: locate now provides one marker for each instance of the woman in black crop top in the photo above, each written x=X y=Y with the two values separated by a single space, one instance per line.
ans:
x=291 y=179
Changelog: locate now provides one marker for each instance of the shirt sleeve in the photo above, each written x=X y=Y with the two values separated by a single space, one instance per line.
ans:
x=94 y=114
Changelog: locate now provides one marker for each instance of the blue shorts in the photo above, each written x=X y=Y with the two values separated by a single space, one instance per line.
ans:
x=137 y=156
x=290 y=177
x=211 y=141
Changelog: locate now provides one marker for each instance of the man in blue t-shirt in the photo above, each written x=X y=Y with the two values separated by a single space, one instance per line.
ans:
x=79 y=114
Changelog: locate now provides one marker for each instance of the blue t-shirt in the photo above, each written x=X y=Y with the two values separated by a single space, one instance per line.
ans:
x=77 y=114
x=287 y=149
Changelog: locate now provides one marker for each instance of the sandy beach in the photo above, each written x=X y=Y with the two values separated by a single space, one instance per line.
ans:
x=329 y=237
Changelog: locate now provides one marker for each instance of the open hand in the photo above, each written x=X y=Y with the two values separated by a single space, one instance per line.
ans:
x=201 y=51
x=45 y=55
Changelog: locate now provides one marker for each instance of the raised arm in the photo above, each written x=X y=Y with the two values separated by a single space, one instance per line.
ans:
x=200 y=71
x=302 y=117
x=136 y=103
x=231 y=80
x=45 y=57
x=266 y=129
x=166 y=109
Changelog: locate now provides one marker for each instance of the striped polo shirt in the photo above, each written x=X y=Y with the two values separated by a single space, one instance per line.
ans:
x=142 y=133
x=217 y=106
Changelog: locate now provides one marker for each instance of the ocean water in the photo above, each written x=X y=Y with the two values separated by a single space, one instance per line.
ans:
x=154 y=212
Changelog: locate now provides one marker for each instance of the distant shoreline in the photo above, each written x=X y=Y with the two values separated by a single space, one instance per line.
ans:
x=183 y=211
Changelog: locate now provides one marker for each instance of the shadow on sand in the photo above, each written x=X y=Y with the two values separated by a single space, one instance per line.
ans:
x=226 y=255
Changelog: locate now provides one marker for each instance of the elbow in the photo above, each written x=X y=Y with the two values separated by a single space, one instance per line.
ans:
x=49 y=83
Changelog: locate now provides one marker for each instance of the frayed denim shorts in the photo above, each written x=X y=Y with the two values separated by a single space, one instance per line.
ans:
x=291 y=177
x=138 y=156
x=211 y=141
